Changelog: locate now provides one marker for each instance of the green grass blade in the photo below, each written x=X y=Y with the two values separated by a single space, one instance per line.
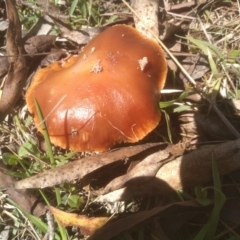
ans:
x=168 y=125
x=45 y=133
x=216 y=88
x=212 y=64
x=73 y=7
x=219 y=200
x=203 y=45
x=34 y=220
x=52 y=161
x=209 y=229
x=63 y=232
x=170 y=103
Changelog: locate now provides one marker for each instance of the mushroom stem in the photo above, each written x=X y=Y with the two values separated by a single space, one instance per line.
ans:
x=148 y=12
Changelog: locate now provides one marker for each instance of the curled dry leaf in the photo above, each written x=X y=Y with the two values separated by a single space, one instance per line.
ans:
x=87 y=225
x=17 y=71
x=169 y=28
x=22 y=198
x=147 y=169
x=80 y=168
x=184 y=171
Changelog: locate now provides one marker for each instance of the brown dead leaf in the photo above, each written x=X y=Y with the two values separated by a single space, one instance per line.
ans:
x=17 y=71
x=146 y=170
x=169 y=28
x=38 y=44
x=52 y=10
x=83 y=36
x=112 y=229
x=184 y=171
x=4 y=65
x=195 y=66
x=174 y=46
x=195 y=168
x=51 y=58
x=21 y=197
x=209 y=125
x=87 y=225
x=80 y=168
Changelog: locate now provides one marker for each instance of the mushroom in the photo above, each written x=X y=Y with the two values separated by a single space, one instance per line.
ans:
x=106 y=95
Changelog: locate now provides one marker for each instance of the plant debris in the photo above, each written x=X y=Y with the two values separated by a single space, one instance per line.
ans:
x=17 y=72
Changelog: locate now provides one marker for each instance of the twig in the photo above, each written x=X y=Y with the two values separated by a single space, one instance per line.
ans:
x=183 y=5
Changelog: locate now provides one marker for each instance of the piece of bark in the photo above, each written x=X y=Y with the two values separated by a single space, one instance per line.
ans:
x=147 y=10
x=17 y=71
x=21 y=197
x=185 y=171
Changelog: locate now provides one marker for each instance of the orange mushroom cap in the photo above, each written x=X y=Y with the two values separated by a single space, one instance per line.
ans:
x=106 y=95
